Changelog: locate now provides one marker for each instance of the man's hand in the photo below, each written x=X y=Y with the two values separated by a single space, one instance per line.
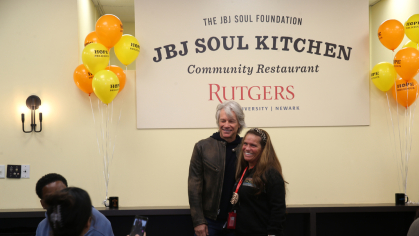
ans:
x=201 y=230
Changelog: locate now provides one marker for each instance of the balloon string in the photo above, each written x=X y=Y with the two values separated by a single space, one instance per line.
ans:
x=107 y=147
x=108 y=127
x=410 y=133
x=400 y=139
x=107 y=144
x=119 y=119
x=111 y=111
x=105 y=163
x=103 y=150
x=116 y=129
x=408 y=144
x=101 y=126
x=111 y=141
x=94 y=123
x=97 y=138
x=406 y=125
x=101 y=136
x=399 y=167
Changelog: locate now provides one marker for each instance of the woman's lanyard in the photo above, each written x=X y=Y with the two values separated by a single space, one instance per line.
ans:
x=235 y=197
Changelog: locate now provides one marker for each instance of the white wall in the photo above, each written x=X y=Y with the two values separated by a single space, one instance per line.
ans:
x=40 y=49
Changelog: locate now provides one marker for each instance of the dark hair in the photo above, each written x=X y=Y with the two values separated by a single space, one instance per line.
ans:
x=267 y=160
x=68 y=211
x=47 y=179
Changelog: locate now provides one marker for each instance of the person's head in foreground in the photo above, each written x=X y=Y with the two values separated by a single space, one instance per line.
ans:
x=49 y=184
x=69 y=212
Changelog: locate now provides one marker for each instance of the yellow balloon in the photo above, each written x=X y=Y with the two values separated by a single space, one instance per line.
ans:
x=383 y=75
x=95 y=57
x=411 y=44
x=411 y=28
x=105 y=85
x=127 y=49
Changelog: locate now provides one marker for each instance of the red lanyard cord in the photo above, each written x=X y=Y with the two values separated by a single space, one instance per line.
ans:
x=241 y=180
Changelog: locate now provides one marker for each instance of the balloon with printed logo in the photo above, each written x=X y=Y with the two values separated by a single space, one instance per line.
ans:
x=391 y=33
x=411 y=28
x=410 y=44
x=406 y=92
x=109 y=29
x=383 y=76
x=95 y=57
x=120 y=74
x=83 y=79
x=91 y=38
x=406 y=63
x=105 y=85
x=127 y=49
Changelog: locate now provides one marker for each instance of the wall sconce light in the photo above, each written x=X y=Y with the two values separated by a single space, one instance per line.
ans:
x=33 y=102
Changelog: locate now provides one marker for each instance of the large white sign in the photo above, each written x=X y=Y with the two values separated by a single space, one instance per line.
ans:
x=288 y=63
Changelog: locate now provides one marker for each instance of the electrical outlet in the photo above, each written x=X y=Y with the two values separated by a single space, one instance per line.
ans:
x=25 y=172
x=13 y=171
x=2 y=170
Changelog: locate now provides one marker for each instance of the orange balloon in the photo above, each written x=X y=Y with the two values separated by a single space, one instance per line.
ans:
x=83 y=79
x=406 y=63
x=91 y=38
x=407 y=92
x=391 y=33
x=109 y=30
x=120 y=74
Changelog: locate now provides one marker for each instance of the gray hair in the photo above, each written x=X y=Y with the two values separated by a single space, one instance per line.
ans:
x=228 y=107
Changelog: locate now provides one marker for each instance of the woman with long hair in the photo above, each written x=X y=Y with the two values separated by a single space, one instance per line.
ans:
x=259 y=198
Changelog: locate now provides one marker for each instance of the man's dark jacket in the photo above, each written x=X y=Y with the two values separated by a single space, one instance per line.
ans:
x=206 y=176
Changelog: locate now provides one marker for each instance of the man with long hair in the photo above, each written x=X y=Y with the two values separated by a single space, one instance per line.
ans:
x=211 y=171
